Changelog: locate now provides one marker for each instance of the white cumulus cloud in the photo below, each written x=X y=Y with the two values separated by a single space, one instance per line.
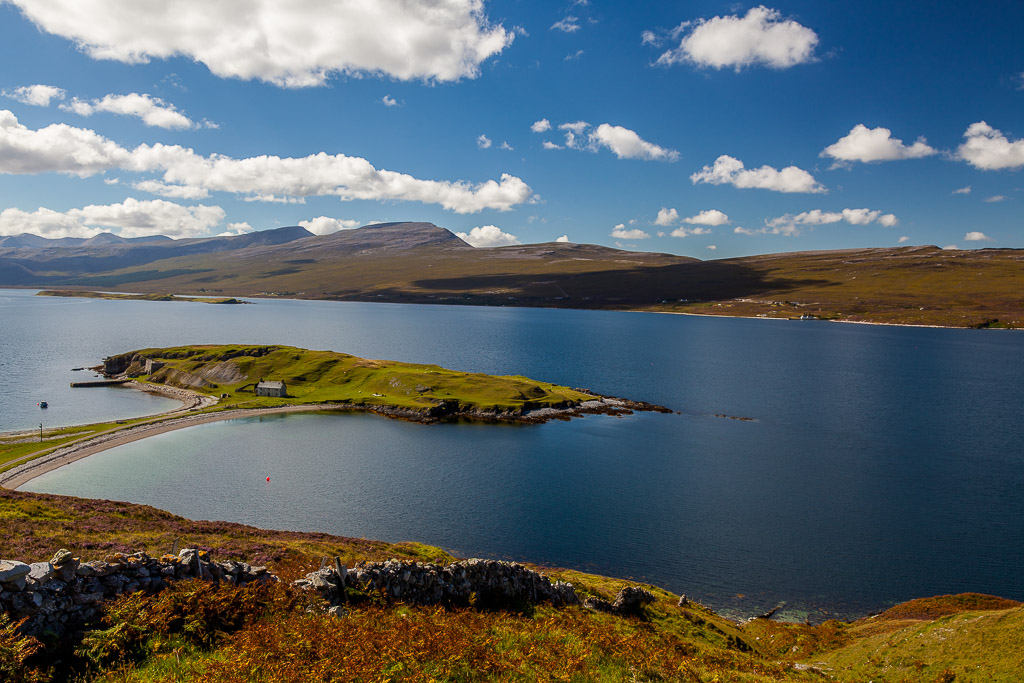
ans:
x=130 y=218
x=271 y=178
x=488 y=236
x=325 y=225
x=389 y=101
x=623 y=142
x=621 y=232
x=977 y=237
x=760 y=37
x=989 y=149
x=43 y=222
x=995 y=198
x=483 y=142
x=790 y=224
x=666 y=217
x=541 y=126
x=875 y=144
x=903 y=239
x=712 y=247
x=58 y=147
x=731 y=171
x=37 y=95
x=962 y=190
x=150 y=110
x=173 y=191
x=682 y=231
x=626 y=144
x=185 y=174
x=293 y=44
x=563 y=238
x=235 y=229
x=708 y=217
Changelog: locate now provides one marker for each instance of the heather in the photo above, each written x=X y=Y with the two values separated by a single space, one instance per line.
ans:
x=204 y=631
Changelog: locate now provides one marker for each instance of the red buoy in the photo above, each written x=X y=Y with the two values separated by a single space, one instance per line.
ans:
x=268 y=478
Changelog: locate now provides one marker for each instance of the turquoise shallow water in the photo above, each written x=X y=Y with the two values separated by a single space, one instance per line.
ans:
x=882 y=463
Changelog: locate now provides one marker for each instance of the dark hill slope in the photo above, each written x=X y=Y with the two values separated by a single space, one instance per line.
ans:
x=423 y=263
x=411 y=262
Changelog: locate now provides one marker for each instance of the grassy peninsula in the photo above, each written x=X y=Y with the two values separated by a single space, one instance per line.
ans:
x=195 y=631
x=219 y=382
x=231 y=373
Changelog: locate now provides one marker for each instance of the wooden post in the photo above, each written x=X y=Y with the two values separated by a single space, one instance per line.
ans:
x=342 y=572
x=40 y=432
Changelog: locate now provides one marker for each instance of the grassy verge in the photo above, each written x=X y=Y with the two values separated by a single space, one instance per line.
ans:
x=15 y=448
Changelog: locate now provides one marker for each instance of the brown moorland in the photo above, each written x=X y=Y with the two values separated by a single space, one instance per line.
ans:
x=423 y=263
x=196 y=631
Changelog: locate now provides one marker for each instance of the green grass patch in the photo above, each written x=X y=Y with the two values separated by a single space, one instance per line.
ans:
x=336 y=378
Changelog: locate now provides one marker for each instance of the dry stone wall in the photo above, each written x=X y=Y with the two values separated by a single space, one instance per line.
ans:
x=460 y=583
x=64 y=593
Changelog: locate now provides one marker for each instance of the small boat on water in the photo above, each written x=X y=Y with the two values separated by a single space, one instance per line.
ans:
x=43 y=404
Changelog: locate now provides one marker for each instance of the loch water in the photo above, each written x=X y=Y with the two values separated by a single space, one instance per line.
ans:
x=878 y=464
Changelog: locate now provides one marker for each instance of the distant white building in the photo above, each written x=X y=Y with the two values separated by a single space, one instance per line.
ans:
x=271 y=388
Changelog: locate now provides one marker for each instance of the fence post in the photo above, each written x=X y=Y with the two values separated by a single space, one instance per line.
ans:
x=342 y=573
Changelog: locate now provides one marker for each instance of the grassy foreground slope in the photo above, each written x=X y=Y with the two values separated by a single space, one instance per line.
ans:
x=195 y=632
x=231 y=372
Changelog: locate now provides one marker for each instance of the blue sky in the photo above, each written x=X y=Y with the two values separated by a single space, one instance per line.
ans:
x=708 y=129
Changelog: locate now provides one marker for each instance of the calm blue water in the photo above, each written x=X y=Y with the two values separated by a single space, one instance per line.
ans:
x=884 y=463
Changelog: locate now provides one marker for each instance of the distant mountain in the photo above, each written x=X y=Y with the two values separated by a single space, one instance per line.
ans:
x=31 y=260
x=28 y=241
x=415 y=262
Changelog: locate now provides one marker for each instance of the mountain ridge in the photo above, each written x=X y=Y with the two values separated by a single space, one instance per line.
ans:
x=419 y=262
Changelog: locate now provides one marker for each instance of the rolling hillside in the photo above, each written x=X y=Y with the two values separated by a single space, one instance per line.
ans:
x=423 y=263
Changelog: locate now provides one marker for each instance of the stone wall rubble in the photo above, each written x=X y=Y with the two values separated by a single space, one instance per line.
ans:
x=460 y=583
x=66 y=592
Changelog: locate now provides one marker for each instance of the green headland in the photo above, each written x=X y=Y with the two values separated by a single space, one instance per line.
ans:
x=219 y=382
x=428 y=392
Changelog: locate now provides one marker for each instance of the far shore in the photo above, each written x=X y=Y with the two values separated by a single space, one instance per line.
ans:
x=826 y=320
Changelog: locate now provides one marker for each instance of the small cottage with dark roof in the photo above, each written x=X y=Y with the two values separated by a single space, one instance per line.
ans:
x=271 y=388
